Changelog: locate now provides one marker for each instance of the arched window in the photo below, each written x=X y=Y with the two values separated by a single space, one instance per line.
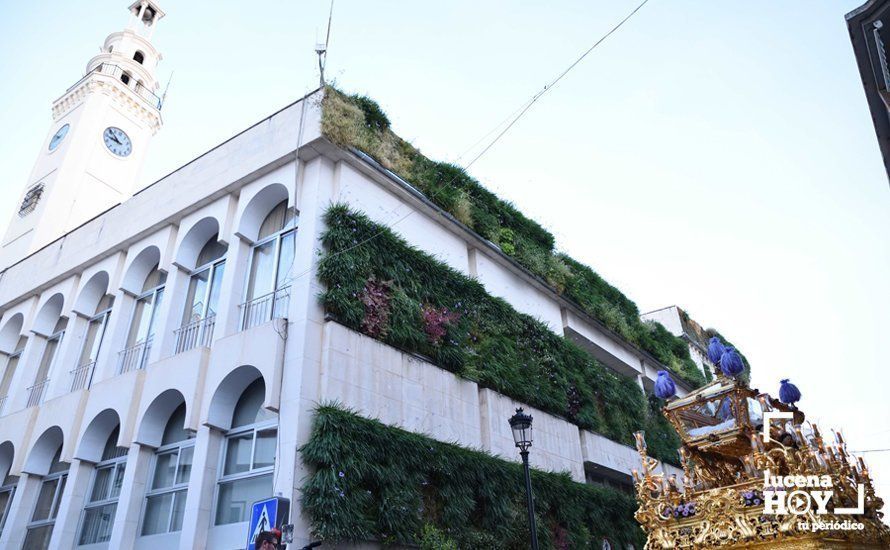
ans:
x=271 y=263
x=40 y=528
x=138 y=57
x=248 y=456
x=108 y=477
x=7 y=491
x=12 y=362
x=125 y=78
x=165 y=499
x=199 y=316
x=143 y=324
x=92 y=343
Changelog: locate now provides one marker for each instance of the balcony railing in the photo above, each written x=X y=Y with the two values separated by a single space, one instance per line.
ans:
x=82 y=376
x=197 y=333
x=263 y=308
x=134 y=357
x=35 y=392
x=115 y=71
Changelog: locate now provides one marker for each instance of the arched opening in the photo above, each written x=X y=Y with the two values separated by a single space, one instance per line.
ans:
x=49 y=314
x=47 y=360
x=7 y=484
x=93 y=336
x=10 y=333
x=139 y=57
x=271 y=267
x=43 y=518
x=249 y=452
x=202 y=300
x=10 y=363
x=101 y=503
x=168 y=485
x=125 y=78
x=143 y=323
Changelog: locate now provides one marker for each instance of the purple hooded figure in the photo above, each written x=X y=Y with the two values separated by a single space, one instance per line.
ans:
x=715 y=350
x=664 y=385
x=731 y=362
x=788 y=393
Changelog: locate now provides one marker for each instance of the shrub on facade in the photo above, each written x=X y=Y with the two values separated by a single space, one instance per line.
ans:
x=442 y=496
x=354 y=121
x=438 y=312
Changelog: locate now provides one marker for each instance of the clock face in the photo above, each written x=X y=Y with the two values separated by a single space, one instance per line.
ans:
x=117 y=141
x=58 y=137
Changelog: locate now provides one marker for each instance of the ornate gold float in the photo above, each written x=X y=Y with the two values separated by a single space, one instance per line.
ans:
x=740 y=490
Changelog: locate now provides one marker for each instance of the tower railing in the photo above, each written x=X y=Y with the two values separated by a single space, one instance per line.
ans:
x=263 y=308
x=116 y=71
x=197 y=333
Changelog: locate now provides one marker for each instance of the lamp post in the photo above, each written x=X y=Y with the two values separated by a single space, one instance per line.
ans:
x=521 y=424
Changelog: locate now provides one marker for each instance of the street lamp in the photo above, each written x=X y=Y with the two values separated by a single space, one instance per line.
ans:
x=521 y=424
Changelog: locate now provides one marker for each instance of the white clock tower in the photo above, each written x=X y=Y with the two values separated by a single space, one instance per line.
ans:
x=96 y=145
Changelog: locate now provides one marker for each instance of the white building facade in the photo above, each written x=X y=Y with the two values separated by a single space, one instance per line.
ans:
x=161 y=353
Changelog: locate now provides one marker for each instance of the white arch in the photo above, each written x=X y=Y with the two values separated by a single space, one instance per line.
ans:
x=91 y=293
x=147 y=260
x=94 y=437
x=7 y=453
x=222 y=404
x=48 y=316
x=197 y=236
x=259 y=207
x=10 y=333
x=43 y=451
x=151 y=428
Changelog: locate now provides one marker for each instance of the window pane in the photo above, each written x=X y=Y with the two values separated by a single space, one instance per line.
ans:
x=185 y=464
x=44 y=505
x=49 y=353
x=264 y=450
x=236 y=497
x=262 y=269
x=5 y=497
x=7 y=375
x=118 y=480
x=141 y=320
x=157 y=514
x=194 y=309
x=178 y=511
x=97 y=523
x=286 y=260
x=38 y=538
x=215 y=284
x=101 y=484
x=55 y=510
x=165 y=470
x=238 y=450
x=153 y=323
x=92 y=340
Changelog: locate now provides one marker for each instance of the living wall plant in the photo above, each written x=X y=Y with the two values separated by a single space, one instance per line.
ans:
x=393 y=292
x=443 y=496
x=356 y=121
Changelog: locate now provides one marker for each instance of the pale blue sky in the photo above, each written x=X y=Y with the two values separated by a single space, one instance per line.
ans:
x=716 y=155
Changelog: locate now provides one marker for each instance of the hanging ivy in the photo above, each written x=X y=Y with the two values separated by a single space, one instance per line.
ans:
x=441 y=313
x=442 y=496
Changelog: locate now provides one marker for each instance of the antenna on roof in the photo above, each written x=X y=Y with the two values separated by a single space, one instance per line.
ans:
x=321 y=48
x=167 y=87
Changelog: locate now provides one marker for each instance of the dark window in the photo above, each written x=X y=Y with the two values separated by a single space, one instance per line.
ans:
x=125 y=78
x=138 y=57
x=32 y=197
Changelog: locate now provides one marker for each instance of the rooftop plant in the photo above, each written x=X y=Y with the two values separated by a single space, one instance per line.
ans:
x=354 y=121
x=408 y=299
x=444 y=496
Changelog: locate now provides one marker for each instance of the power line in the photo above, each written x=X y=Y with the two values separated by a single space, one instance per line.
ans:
x=524 y=109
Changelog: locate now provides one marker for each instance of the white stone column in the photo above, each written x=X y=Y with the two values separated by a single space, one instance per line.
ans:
x=67 y=355
x=129 y=504
x=199 y=499
x=115 y=337
x=79 y=476
x=232 y=288
x=175 y=292
x=20 y=511
x=24 y=374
